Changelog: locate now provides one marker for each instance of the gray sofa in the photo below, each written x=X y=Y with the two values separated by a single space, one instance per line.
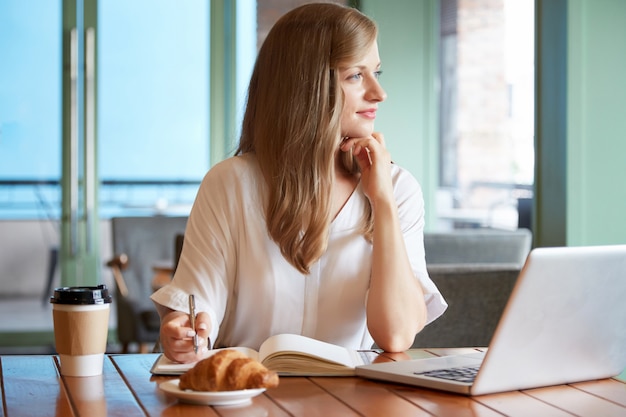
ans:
x=475 y=270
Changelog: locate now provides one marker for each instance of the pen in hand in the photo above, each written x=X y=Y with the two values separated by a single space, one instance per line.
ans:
x=192 y=319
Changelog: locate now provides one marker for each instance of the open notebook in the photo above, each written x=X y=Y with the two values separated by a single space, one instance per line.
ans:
x=289 y=354
x=564 y=322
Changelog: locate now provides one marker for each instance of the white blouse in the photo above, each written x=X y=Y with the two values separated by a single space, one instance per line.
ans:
x=238 y=275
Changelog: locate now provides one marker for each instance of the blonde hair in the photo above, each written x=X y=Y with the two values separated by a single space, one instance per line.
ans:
x=292 y=122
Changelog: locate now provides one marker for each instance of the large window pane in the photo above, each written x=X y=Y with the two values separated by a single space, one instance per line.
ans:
x=30 y=159
x=487 y=126
x=30 y=109
x=153 y=72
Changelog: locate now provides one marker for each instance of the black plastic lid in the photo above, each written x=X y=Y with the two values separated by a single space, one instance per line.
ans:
x=81 y=295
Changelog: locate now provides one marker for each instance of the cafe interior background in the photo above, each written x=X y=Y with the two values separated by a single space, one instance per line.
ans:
x=509 y=112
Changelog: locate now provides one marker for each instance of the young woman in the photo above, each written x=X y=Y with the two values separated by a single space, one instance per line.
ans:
x=310 y=228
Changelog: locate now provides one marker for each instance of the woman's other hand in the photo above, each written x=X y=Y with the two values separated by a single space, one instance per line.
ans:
x=374 y=162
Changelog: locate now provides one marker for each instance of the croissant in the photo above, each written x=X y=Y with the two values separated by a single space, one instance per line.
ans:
x=228 y=370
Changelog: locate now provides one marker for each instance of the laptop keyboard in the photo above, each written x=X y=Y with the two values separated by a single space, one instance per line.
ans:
x=463 y=374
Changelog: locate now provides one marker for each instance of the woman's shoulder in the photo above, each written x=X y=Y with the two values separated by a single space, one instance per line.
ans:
x=242 y=169
x=231 y=183
x=243 y=164
x=408 y=194
x=403 y=179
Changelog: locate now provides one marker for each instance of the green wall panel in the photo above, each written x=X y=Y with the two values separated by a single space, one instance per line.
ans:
x=596 y=187
x=408 y=42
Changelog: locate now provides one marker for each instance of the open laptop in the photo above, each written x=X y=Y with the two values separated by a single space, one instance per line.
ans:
x=565 y=322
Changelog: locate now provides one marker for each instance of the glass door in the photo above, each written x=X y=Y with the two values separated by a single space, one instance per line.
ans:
x=30 y=122
x=30 y=165
x=103 y=112
x=79 y=257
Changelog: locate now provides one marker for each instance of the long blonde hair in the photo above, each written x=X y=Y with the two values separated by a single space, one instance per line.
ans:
x=292 y=122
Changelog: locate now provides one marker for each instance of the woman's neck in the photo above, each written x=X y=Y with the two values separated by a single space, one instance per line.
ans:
x=343 y=186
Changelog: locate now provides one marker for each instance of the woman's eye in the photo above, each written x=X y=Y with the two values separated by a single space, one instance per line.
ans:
x=358 y=76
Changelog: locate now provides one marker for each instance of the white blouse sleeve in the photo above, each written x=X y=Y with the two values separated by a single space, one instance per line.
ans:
x=410 y=202
x=208 y=260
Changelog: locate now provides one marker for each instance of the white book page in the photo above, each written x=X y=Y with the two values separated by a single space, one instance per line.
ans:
x=311 y=347
x=168 y=366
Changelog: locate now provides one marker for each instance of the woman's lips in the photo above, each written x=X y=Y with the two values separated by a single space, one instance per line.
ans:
x=369 y=113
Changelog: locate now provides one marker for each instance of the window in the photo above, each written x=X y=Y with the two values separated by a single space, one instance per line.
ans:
x=30 y=109
x=152 y=92
x=486 y=114
x=153 y=104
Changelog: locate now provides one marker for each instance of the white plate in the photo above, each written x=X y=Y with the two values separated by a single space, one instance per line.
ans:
x=210 y=397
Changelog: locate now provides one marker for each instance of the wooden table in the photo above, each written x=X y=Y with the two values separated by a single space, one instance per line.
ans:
x=32 y=386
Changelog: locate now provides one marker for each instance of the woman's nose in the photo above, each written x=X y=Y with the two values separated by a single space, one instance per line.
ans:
x=375 y=92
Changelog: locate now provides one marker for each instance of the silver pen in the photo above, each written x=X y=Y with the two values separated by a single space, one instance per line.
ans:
x=192 y=319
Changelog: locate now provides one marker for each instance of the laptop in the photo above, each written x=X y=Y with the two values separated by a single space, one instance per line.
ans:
x=565 y=322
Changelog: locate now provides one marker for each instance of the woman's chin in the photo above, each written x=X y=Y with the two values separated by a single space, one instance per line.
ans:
x=360 y=133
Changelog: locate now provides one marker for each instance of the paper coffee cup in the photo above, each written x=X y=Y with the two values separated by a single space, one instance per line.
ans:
x=81 y=326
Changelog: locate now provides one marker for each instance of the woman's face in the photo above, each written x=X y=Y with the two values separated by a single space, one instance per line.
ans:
x=362 y=93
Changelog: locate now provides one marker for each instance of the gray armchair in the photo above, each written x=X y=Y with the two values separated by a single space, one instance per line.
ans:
x=475 y=270
x=141 y=242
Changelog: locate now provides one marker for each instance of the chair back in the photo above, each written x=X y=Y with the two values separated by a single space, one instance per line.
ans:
x=147 y=241
x=476 y=296
x=475 y=270
x=477 y=246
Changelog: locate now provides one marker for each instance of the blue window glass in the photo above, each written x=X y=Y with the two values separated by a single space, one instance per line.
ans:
x=153 y=98
x=30 y=108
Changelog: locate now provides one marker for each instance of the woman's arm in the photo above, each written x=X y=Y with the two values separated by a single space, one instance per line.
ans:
x=202 y=270
x=396 y=309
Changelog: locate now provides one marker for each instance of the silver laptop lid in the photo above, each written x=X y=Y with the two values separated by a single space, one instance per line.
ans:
x=565 y=321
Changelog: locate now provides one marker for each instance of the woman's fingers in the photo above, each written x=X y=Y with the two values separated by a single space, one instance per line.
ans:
x=203 y=326
x=374 y=143
x=367 y=150
x=374 y=163
x=177 y=337
x=379 y=137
